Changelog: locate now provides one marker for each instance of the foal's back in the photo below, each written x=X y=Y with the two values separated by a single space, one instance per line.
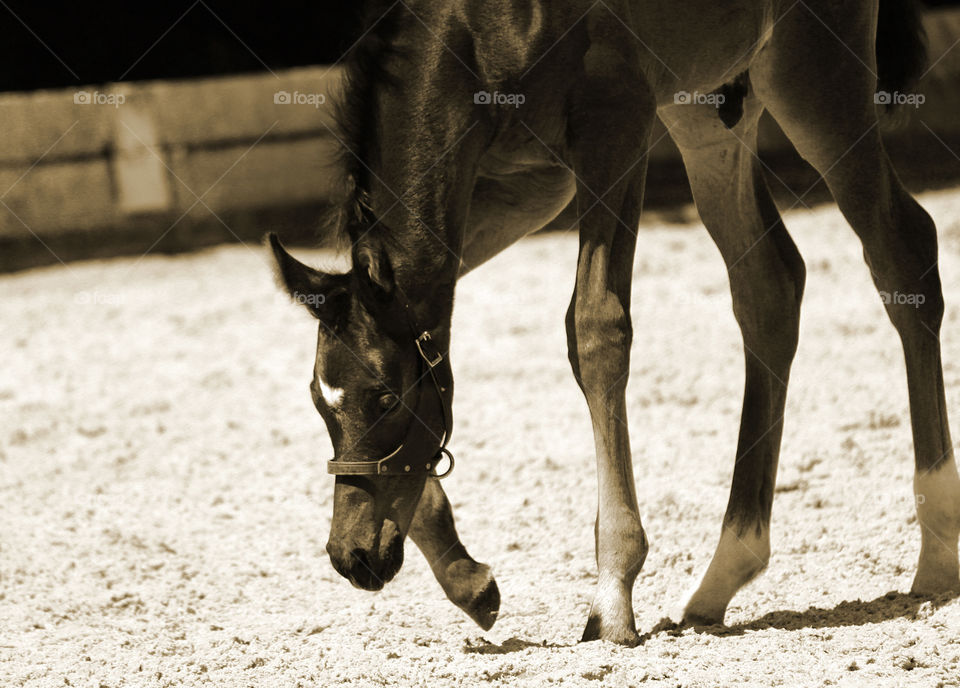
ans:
x=697 y=45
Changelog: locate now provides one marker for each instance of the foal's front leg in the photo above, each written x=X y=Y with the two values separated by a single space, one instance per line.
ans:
x=610 y=125
x=467 y=583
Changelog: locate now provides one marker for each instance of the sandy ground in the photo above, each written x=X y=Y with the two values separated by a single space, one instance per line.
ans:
x=164 y=504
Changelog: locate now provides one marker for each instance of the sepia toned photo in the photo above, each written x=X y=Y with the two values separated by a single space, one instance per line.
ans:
x=692 y=269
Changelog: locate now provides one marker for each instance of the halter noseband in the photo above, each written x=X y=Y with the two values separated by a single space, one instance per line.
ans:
x=420 y=451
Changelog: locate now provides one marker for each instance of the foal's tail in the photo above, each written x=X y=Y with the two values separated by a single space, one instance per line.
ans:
x=901 y=47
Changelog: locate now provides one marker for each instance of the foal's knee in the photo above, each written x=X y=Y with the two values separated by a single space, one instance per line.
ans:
x=599 y=335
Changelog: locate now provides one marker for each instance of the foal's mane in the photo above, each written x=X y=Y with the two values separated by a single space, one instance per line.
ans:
x=355 y=115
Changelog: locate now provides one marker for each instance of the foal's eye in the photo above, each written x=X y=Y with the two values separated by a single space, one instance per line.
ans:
x=387 y=402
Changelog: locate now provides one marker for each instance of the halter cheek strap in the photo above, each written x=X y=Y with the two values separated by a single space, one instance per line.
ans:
x=425 y=444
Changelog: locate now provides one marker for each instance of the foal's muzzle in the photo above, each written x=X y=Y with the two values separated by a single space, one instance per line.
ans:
x=370 y=568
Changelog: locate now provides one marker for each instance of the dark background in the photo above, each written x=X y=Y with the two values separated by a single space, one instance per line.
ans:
x=98 y=42
x=111 y=41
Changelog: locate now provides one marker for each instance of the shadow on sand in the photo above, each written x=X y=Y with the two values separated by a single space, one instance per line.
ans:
x=893 y=605
x=483 y=647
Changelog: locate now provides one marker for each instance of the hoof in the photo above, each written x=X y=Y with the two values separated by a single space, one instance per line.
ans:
x=935 y=586
x=485 y=607
x=704 y=610
x=621 y=634
x=938 y=573
x=695 y=620
x=471 y=587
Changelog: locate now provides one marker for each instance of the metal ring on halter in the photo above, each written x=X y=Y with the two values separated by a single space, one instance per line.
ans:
x=443 y=452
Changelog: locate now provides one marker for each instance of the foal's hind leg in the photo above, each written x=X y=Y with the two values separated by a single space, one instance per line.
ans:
x=766 y=282
x=823 y=100
x=610 y=122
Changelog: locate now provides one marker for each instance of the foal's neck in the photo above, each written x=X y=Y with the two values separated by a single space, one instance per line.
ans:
x=415 y=152
x=422 y=182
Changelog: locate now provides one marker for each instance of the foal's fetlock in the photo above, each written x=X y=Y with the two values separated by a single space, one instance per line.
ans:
x=471 y=586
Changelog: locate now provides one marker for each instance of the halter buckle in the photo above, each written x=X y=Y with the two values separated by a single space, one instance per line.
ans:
x=432 y=356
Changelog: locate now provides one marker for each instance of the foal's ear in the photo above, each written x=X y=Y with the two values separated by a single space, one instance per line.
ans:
x=323 y=294
x=371 y=260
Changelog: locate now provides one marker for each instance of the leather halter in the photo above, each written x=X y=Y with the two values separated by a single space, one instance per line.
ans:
x=420 y=451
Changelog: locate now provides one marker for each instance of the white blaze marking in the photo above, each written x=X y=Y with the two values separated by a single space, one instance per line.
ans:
x=332 y=395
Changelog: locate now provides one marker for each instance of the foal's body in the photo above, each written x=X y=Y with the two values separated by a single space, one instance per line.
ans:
x=471 y=179
x=524 y=177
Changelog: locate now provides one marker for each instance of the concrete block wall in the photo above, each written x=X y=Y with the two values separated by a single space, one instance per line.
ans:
x=114 y=168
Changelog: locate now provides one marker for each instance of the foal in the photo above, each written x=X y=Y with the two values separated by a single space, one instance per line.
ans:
x=468 y=124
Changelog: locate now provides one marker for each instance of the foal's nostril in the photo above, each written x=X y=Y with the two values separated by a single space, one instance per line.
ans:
x=354 y=565
x=391 y=557
x=369 y=568
x=363 y=573
x=341 y=564
x=360 y=559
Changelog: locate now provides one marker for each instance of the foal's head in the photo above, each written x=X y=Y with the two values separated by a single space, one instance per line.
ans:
x=367 y=382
